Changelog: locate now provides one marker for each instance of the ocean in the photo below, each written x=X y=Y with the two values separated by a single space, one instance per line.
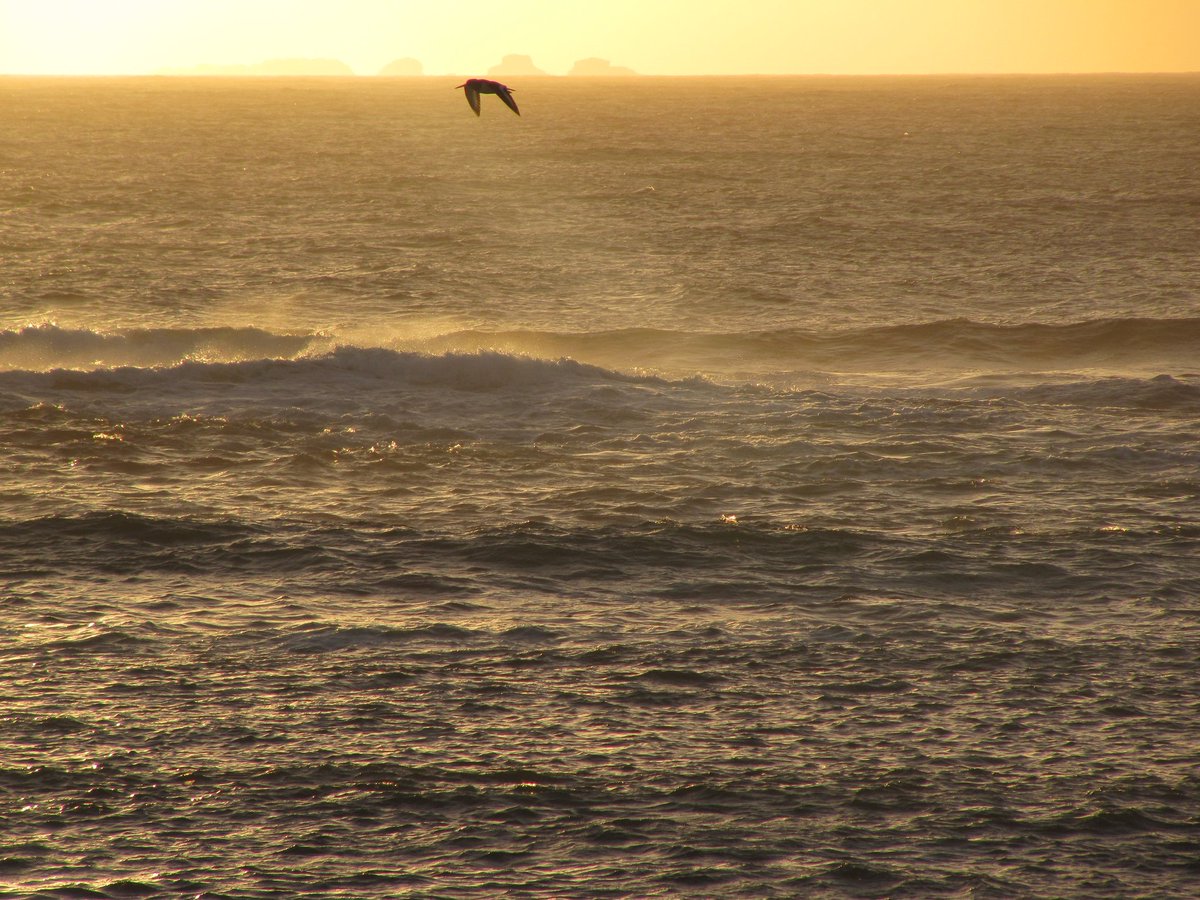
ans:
x=744 y=487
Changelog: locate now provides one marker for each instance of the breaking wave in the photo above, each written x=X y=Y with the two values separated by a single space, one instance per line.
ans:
x=1109 y=344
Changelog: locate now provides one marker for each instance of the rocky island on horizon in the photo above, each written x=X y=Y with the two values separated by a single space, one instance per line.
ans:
x=403 y=68
x=515 y=65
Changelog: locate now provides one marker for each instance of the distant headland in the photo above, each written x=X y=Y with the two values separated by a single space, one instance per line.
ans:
x=513 y=65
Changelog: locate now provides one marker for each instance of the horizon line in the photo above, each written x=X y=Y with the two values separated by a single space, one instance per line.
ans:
x=353 y=76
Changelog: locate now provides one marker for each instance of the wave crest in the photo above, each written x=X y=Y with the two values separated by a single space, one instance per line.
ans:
x=338 y=377
x=479 y=357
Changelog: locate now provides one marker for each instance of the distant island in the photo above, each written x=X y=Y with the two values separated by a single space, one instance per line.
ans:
x=403 y=68
x=594 y=67
x=515 y=64
x=272 y=67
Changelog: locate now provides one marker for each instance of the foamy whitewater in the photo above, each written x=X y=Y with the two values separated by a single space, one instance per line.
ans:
x=744 y=487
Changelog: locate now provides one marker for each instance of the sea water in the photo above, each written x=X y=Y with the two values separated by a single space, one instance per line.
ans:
x=740 y=487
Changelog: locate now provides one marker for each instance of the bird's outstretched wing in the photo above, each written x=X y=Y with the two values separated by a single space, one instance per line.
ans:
x=472 y=97
x=505 y=95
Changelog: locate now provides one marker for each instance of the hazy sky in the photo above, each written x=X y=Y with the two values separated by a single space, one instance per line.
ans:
x=651 y=36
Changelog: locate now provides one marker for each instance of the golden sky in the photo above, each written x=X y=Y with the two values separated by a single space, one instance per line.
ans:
x=654 y=37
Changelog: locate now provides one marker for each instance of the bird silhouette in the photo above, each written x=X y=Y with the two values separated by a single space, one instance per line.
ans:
x=473 y=87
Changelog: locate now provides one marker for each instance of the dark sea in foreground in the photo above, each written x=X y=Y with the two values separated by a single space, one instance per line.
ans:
x=753 y=487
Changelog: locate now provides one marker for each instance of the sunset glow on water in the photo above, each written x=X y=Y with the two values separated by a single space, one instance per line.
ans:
x=691 y=486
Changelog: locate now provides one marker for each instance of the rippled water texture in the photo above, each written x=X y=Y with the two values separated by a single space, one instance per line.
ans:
x=750 y=487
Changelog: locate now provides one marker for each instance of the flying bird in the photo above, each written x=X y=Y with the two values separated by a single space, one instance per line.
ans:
x=473 y=87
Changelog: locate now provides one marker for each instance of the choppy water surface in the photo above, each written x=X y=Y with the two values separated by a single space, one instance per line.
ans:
x=754 y=487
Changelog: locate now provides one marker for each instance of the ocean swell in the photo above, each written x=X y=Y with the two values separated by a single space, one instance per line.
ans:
x=1107 y=345
x=341 y=378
